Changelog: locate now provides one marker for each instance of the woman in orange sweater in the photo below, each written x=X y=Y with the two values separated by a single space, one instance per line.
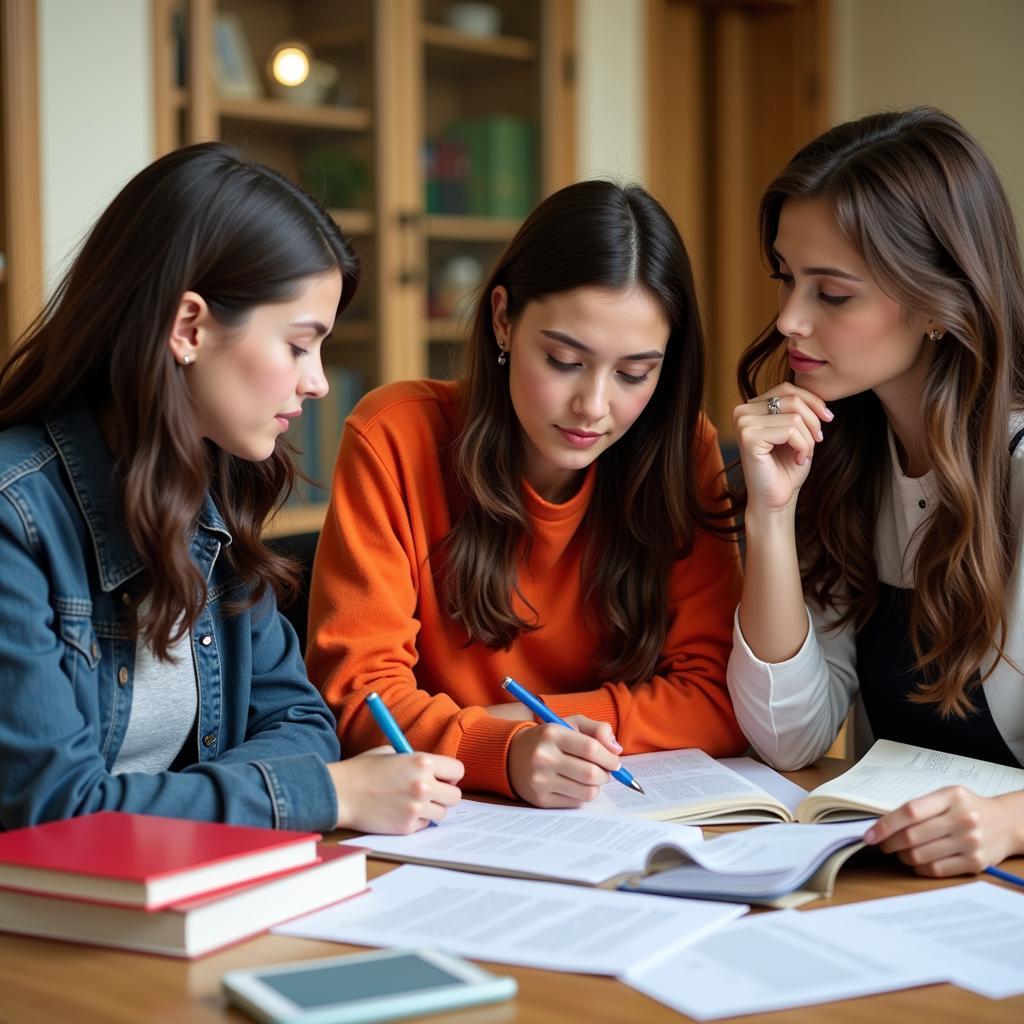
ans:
x=547 y=518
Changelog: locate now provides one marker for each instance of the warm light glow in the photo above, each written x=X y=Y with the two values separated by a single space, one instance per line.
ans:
x=290 y=65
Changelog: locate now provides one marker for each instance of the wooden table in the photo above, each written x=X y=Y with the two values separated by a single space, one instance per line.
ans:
x=43 y=982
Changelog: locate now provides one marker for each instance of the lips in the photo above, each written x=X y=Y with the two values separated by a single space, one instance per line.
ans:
x=580 y=438
x=803 y=363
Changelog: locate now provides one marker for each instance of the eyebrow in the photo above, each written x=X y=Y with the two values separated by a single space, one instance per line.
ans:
x=314 y=324
x=573 y=343
x=822 y=271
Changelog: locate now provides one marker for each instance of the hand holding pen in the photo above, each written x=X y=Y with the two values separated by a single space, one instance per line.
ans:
x=558 y=768
x=427 y=781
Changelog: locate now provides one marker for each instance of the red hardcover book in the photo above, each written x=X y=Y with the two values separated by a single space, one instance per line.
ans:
x=194 y=927
x=142 y=860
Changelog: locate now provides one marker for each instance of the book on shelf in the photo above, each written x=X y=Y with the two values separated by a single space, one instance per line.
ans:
x=194 y=927
x=780 y=865
x=689 y=786
x=142 y=860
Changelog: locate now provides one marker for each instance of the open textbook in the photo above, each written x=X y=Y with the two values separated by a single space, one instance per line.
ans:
x=689 y=786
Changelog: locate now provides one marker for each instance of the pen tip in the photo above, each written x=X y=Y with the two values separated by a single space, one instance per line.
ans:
x=636 y=785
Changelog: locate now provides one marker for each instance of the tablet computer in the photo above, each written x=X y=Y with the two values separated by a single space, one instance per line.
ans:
x=364 y=987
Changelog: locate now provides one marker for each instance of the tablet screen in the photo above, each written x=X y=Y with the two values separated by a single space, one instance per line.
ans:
x=328 y=986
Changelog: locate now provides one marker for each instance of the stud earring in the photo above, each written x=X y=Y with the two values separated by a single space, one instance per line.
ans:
x=185 y=360
x=936 y=334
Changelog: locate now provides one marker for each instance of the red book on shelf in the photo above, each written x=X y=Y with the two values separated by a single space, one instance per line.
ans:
x=193 y=927
x=142 y=860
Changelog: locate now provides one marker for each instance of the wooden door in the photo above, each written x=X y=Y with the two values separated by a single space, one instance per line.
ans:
x=735 y=88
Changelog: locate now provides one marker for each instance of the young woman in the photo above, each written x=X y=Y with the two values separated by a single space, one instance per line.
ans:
x=143 y=663
x=546 y=519
x=884 y=473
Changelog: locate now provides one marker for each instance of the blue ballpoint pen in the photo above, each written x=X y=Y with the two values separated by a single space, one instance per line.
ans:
x=1006 y=876
x=394 y=735
x=543 y=712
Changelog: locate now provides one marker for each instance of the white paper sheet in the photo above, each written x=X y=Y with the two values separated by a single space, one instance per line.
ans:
x=976 y=931
x=569 y=845
x=776 y=961
x=514 y=921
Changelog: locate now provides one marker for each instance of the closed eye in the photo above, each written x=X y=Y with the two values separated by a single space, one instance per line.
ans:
x=563 y=367
x=634 y=378
x=298 y=351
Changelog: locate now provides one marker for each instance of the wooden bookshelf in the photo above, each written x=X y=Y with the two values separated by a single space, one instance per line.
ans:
x=403 y=77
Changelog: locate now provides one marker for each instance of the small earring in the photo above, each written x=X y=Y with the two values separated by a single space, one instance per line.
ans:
x=936 y=334
x=502 y=357
x=185 y=360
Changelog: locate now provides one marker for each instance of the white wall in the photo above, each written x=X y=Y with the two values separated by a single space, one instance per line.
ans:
x=961 y=55
x=611 y=121
x=95 y=111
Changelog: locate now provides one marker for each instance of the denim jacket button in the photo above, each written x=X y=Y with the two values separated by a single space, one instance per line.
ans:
x=206 y=641
x=95 y=650
x=209 y=739
x=122 y=675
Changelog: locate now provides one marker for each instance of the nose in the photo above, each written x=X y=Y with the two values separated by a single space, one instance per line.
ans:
x=793 y=320
x=590 y=401
x=313 y=383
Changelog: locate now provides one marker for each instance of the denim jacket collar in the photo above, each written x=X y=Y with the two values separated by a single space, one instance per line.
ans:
x=76 y=435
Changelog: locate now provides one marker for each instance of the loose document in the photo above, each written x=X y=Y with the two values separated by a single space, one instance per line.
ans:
x=515 y=921
x=966 y=934
x=526 y=842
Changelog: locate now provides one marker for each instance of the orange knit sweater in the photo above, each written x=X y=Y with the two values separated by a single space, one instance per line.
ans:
x=376 y=616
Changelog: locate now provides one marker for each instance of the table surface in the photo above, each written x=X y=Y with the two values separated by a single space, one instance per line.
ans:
x=44 y=981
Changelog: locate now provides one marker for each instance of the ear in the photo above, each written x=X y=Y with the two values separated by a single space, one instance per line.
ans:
x=499 y=317
x=188 y=328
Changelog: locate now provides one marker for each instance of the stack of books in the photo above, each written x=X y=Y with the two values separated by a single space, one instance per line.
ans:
x=164 y=885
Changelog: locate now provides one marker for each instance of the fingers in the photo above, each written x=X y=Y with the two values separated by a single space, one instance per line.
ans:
x=446 y=768
x=797 y=423
x=910 y=816
x=585 y=748
x=600 y=731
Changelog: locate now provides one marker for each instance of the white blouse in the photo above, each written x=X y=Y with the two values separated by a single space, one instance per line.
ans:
x=792 y=711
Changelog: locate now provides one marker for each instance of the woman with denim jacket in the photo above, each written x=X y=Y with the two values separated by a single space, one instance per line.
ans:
x=143 y=664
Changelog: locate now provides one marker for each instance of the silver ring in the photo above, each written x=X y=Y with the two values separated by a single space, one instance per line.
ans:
x=774 y=406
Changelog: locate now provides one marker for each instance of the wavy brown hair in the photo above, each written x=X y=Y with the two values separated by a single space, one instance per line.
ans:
x=239 y=234
x=918 y=198
x=645 y=508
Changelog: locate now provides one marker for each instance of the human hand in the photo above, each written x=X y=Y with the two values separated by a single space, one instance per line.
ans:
x=952 y=831
x=776 y=450
x=386 y=792
x=551 y=766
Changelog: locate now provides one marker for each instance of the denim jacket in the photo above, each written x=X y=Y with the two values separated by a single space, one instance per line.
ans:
x=69 y=581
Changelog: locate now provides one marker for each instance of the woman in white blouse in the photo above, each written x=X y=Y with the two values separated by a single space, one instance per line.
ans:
x=885 y=482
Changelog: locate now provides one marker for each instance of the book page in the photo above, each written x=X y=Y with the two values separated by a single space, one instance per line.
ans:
x=781 y=960
x=975 y=930
x=513 y=921
x=682 y=781
x=789 y=794
x=892 y=773
x=569 y=845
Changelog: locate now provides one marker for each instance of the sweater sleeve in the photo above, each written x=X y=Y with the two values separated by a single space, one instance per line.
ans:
x=792 y=711
x=363 y=626
x=686 y=703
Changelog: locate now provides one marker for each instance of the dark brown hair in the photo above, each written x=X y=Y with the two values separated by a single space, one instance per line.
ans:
x=239 y=234
x=645 y=508
x=918 y=198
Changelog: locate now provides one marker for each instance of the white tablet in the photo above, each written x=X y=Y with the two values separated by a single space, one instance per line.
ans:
x=364 y=987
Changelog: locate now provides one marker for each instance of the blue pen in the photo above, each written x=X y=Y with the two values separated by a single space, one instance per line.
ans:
x=543 y=712
x=1005 y=876
x=389 y=727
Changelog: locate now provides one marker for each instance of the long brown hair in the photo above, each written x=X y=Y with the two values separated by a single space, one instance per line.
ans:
x=645 y=508
x=239 y=234
x=916 y=195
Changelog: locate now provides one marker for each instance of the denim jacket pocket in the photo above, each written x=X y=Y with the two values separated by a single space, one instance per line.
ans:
x=74 y=623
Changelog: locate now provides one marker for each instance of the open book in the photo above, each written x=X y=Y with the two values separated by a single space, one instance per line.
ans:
x=689 y=786
x=780 y=865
